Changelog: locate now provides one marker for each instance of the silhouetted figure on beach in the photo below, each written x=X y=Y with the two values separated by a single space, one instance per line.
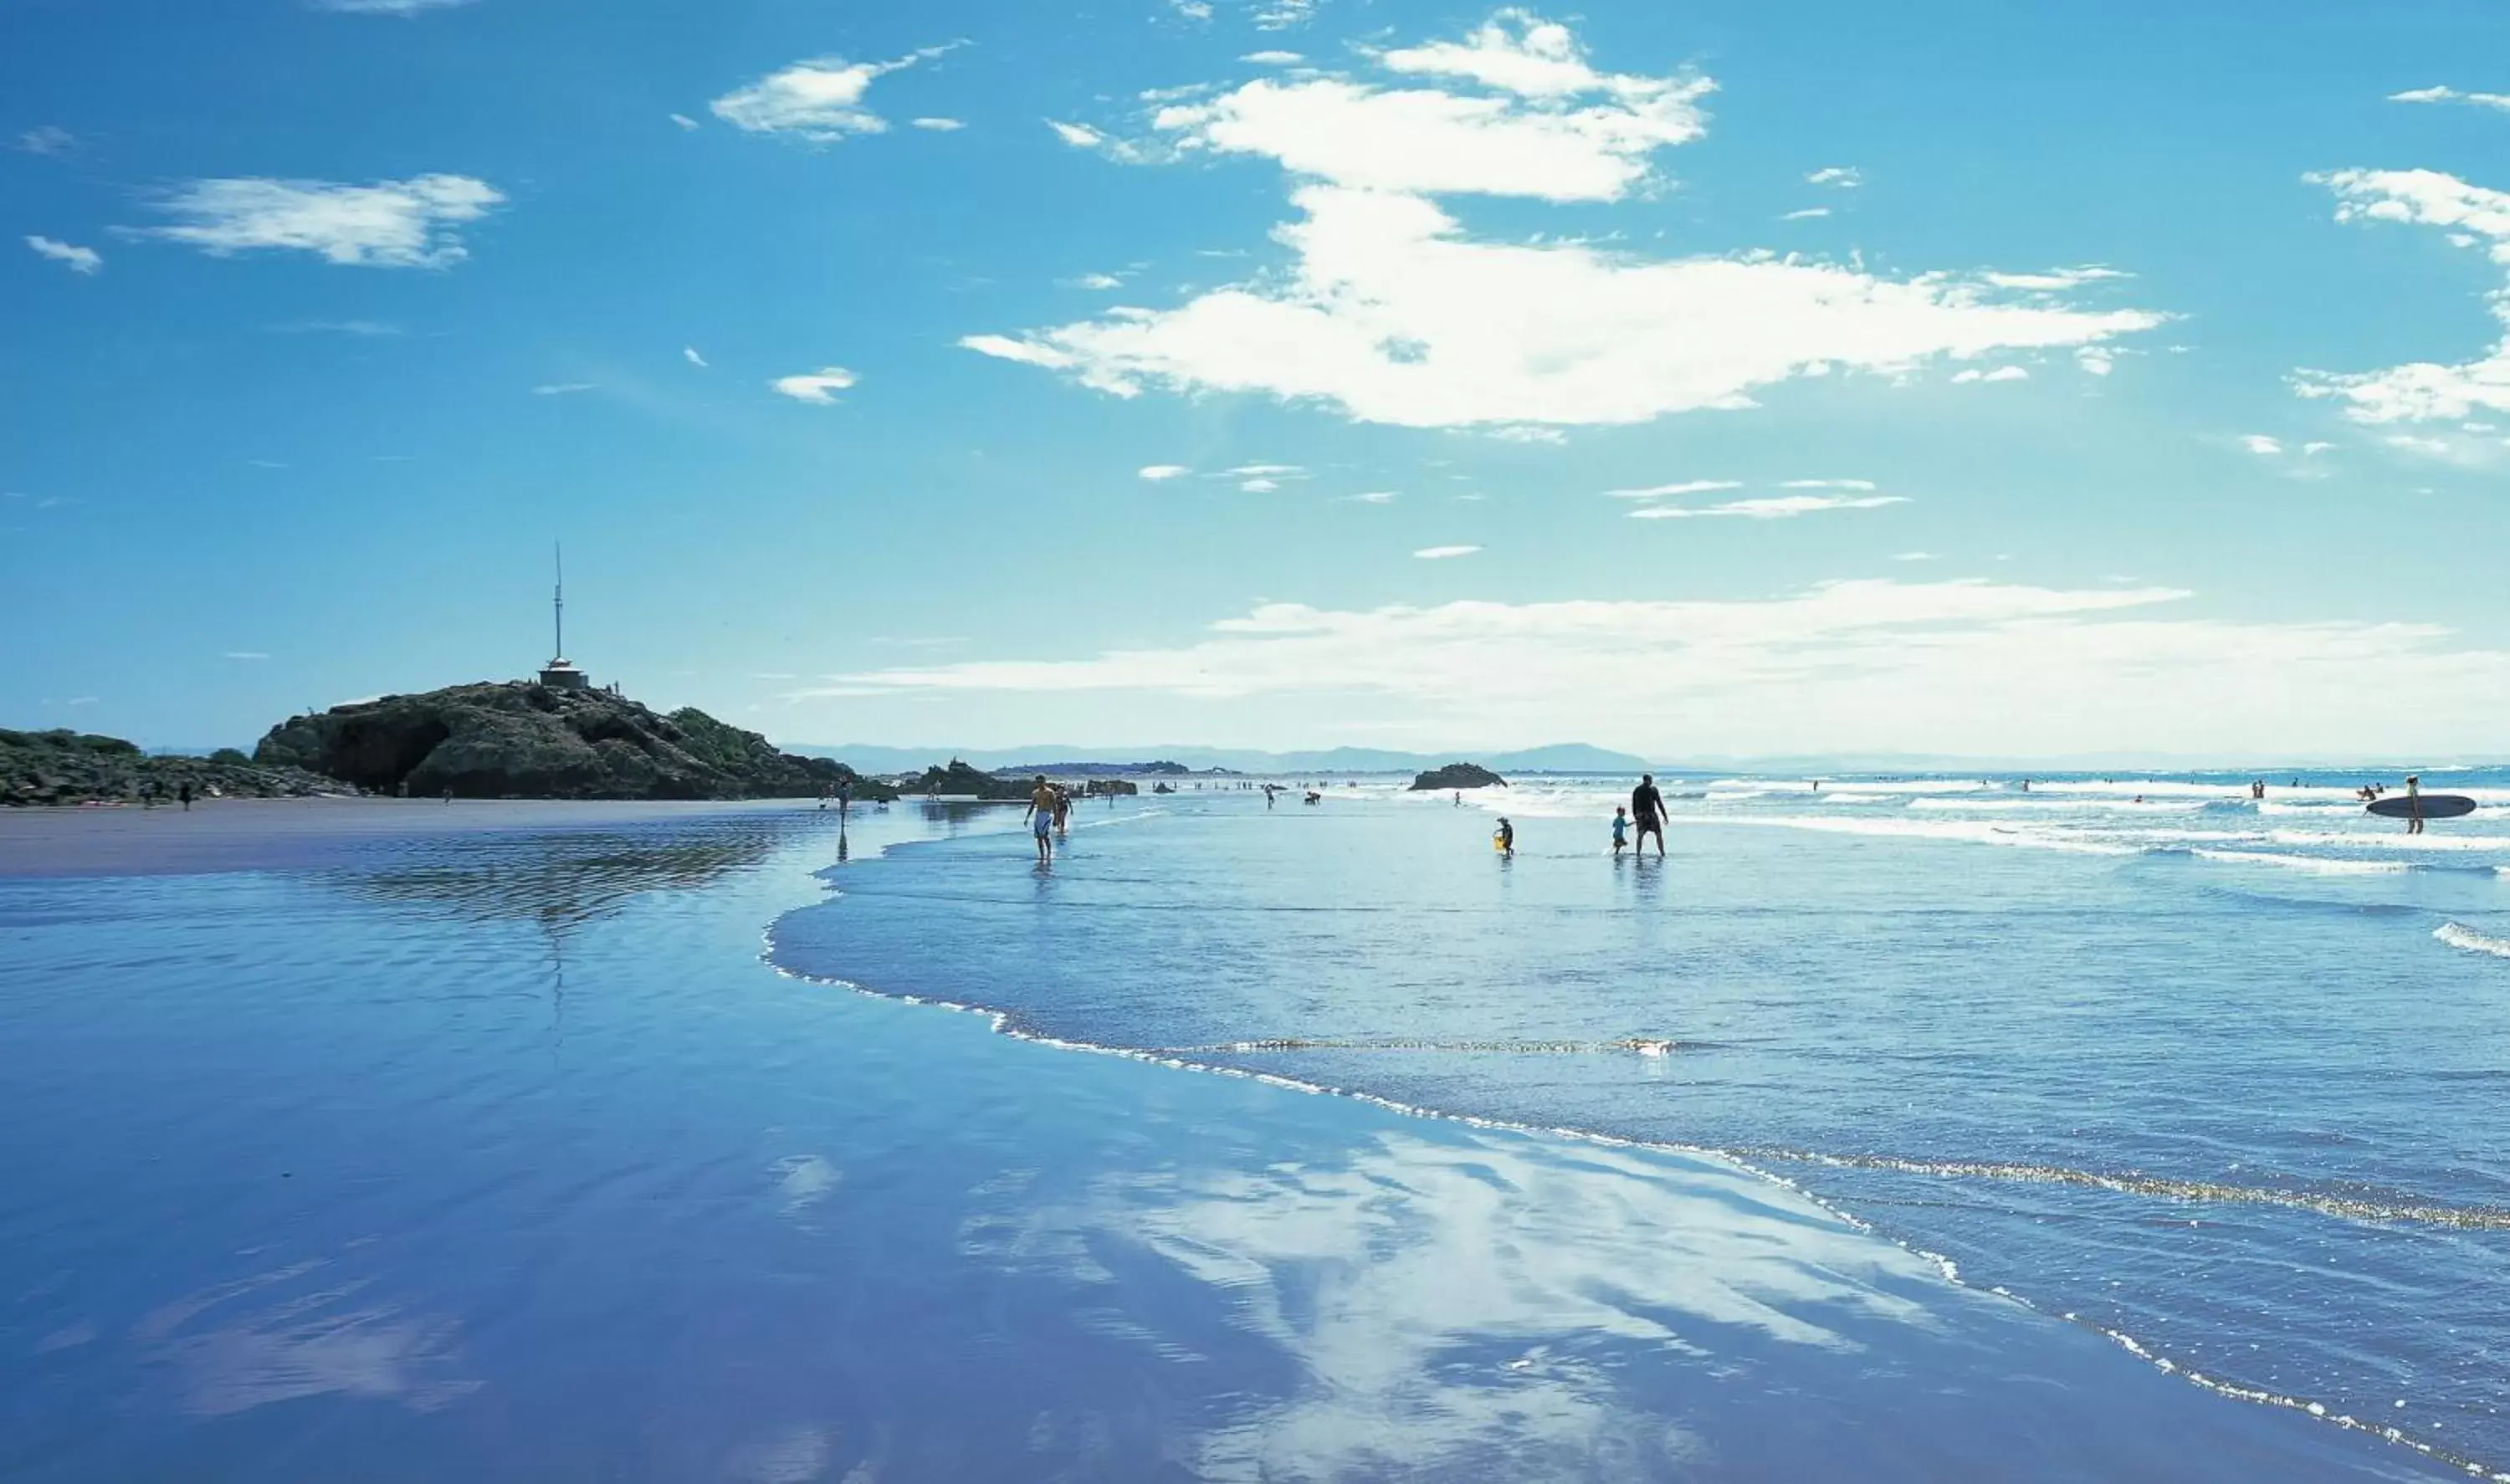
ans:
x=2415 y=803
x=1647 y=806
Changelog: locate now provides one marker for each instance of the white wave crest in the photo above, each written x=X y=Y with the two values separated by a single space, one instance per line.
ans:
x=2472 y=941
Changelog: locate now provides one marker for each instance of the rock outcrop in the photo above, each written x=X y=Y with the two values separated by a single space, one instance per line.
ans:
x=521 y=739
x=77 y=768
x=1458 y=776
x=959 y=781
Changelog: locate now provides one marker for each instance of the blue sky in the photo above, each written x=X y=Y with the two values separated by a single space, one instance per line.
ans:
x=2040 y=388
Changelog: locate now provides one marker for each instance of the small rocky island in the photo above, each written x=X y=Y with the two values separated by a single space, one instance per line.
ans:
x=1456 y=776
x=62 y=766
x=523 y=738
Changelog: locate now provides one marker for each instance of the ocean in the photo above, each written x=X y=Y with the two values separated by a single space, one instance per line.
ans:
x=1914 y=1128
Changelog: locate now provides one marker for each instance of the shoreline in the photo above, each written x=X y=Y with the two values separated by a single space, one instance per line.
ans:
x=1011 y=1023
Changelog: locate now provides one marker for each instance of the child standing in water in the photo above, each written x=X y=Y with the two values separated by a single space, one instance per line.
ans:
x=1504 y=837
x=1620 y=830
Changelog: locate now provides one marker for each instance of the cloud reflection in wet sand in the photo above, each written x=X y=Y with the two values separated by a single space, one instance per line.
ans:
x=316 y=1341
x=1442 y=1299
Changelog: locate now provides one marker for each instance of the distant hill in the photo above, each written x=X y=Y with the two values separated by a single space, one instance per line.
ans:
x=1565 y=757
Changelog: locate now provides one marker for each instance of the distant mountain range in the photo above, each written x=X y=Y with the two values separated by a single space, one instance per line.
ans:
x=1565 y=757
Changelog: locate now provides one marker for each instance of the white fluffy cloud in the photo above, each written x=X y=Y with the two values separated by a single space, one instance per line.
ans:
x=2000 y=373
x=1844 y=178
x=689 y=352
x=1964 y=666
x=1542 y=123
x=2424 y=390
x=1393 y=314
x=79 y=260
x=819 y=100
x=388 y=224
x=2500 y=101
x=939 y=125
x=1769 y=507
x=818 y=387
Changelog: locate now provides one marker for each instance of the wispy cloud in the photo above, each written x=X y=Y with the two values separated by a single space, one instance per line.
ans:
x=2474 y=216
x=1965 y=667
x=689 y=352
x=938 y=124
x=818 y=387
x=1273 y=59
x=562 y=387
x=1259 y=485
x=1675 y=490
x=244 y=654
x=1806 y=214
x=1444 y=553
x=1844 y=178
x=2000 y=373
x=1372 y=497
x=1769 y=507
x=1856 y=484
x=388 y=224
x=687 y=125
x=363 y=328
x=819 y=100
x=1078 y=136
x=2500 y=101
x=2259 y=444
x=85 y=261
x=385 y=6
x=1157 y=471
x=47 y=139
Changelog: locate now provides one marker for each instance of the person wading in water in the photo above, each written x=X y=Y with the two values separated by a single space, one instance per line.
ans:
x=1041 y=820
x=1647 y=806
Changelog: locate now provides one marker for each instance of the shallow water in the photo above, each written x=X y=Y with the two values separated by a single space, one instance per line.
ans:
x=2225 y=1082
x=506 y=1158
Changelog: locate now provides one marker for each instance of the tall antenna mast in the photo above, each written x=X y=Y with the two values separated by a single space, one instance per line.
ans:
x=557 y=602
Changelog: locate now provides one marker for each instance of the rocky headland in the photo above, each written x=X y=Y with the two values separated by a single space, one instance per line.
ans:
x=1458 y=776
x=63 y=767
x=522 y=739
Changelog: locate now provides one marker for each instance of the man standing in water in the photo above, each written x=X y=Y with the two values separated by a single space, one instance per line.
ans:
x=2415 y=802
x=1041 y=820
x=1647 y=806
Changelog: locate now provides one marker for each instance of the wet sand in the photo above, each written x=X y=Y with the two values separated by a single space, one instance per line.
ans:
x=261 y=834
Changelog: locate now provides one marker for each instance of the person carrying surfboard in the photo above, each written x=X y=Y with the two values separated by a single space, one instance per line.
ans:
x=1647 y=806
